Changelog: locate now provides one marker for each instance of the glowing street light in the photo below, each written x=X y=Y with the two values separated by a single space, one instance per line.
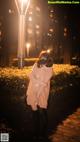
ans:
x=28 y=45
x=22 y=6
x=30 y=19
x=48 y=51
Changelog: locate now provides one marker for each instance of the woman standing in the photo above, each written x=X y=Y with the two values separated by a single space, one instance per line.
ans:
x=38 y=92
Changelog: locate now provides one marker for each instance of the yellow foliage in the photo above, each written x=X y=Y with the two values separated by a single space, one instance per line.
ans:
x=22 y=73
x=57 y=68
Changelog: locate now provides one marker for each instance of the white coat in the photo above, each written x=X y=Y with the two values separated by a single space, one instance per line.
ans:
x=39 y=86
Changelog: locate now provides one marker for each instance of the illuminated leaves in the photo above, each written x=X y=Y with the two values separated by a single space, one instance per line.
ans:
x=17 y=79
x=14 y=79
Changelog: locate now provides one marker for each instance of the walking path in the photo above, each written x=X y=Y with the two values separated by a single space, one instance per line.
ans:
x=69 y=130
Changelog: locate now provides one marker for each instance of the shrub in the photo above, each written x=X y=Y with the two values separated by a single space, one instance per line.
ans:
x=16 y=80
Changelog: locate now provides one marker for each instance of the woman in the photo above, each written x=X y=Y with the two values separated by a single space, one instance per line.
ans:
x=38 y=92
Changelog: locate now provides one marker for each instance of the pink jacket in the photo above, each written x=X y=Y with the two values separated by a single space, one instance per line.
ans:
x=39 y=86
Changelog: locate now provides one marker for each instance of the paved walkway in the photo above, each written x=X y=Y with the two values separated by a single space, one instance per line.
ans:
x=69 y=130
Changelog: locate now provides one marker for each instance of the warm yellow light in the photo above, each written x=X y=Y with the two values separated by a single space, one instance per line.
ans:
x=23 y=1
x=22 y=6
x=51 y=15
x=37 y=8
x=37 y=26
x=48 y=34
x=65 y=29
x=65 y=34
x=28 y=45
x=51 y=30
x=29 y=31
x=30 y=19
x=10 y=11
x=52 y=10
x=48 y=51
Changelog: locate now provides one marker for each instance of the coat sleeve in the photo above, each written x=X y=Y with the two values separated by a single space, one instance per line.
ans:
x=32 y=76
x=32 y=73
x=49 y=74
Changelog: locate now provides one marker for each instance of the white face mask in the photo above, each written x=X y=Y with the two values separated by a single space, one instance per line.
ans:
x=43 y=58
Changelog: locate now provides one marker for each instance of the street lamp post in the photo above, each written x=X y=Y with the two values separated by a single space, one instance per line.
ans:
x=22 y=6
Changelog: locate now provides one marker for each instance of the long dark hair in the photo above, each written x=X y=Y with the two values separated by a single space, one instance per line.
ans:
x=45 y=58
